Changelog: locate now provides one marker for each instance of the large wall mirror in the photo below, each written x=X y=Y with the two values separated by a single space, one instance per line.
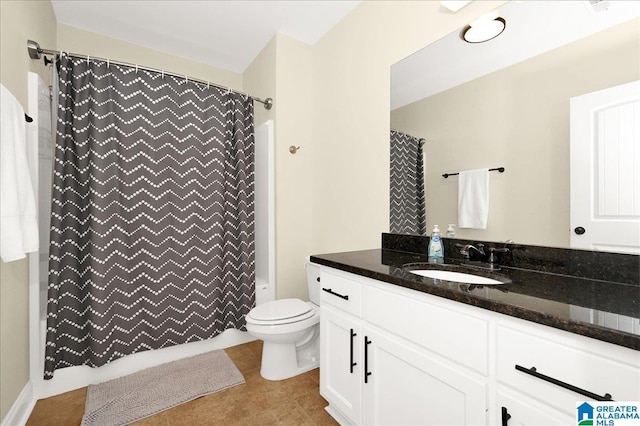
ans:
x=506 y=103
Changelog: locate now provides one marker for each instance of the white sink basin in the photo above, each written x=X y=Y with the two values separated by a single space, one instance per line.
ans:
x=458 y=277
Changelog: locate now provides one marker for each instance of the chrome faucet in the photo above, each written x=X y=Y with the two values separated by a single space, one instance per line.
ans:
x=487 y=261
x=464 y=250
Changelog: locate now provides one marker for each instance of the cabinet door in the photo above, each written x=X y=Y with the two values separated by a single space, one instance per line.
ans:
x=408 y=387
x=518 y=410
x=340 y=363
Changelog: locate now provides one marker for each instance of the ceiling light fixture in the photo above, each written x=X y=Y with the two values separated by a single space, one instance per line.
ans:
x=484 y=28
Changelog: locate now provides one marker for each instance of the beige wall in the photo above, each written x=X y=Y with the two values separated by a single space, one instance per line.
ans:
x=283 y=71
x=19 y=21
x=517 y=118
x=294 y=190
x=351 y=113
x=259 y=79
x=75 y=40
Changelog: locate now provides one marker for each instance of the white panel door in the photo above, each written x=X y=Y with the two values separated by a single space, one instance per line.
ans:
x=405 y=386
x=605 y=169
x=341 y=362
x=516 y=410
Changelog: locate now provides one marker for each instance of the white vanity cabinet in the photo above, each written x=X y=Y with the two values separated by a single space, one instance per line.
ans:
x=374 y=368
x=341 y=368
x=515 y=408
x=408 y=386
x=554 y=370
x=341 y=340
x=391 y=355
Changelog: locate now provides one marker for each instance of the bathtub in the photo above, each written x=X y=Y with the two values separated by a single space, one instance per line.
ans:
x=70 y=378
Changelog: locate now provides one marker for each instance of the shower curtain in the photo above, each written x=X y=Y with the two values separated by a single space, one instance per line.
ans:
x=152 y=225
x=407 y=201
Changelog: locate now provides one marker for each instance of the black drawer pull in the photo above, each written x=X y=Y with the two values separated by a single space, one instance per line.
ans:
x=343 y=296
x=505 y=416
x=533 y=372
x=367 y=373
x=351 y=363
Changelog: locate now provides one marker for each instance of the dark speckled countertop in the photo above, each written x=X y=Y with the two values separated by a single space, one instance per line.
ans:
x=586 y=306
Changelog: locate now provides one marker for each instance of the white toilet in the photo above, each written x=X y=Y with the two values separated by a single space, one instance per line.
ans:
x=290 y=329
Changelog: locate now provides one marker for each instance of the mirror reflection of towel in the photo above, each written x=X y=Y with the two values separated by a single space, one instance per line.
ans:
x=473 y=199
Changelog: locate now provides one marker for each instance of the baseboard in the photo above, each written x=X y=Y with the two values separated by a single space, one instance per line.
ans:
x=337 y=415
x=21 y=408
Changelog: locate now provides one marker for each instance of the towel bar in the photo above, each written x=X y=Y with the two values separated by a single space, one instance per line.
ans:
x=500 y=169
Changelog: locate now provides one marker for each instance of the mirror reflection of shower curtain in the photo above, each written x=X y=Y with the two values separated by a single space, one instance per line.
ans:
x=152 y=221
x=407 y=199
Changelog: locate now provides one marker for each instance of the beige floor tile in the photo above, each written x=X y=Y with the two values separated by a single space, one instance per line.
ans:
x=314 y=374
x=63 y=409
x=295 y=401
x=157 y=420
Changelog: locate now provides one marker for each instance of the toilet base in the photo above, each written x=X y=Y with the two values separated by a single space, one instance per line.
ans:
x=284 y=360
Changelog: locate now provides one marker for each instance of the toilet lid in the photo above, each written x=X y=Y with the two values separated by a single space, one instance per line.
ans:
x=280 y=309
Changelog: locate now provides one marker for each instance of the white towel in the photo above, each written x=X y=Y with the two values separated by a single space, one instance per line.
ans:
x=18 y=220
x=473 y=199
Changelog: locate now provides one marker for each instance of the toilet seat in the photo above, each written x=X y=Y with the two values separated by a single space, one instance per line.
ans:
x=283 y=311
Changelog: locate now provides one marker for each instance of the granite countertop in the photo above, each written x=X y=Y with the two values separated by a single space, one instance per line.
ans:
x=589 y=307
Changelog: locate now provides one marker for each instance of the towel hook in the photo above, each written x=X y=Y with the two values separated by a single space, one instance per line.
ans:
x=293 y=149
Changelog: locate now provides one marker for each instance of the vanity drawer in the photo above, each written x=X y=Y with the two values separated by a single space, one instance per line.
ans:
x=439 y=325
x=578 y=361
x=341 y=292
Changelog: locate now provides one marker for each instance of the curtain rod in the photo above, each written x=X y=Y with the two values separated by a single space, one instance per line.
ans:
x=36 y=52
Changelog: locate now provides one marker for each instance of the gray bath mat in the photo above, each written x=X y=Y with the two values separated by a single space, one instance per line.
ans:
x=145 y=393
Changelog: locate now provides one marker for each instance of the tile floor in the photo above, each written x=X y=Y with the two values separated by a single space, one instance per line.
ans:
x=294 y=401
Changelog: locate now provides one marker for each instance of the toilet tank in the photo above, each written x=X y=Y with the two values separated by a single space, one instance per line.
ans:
x=313 y=281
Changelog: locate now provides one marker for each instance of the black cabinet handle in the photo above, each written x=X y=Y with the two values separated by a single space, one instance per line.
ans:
x=343 y=296
x=367 y=373
x=594 y=396
x=505 y=416
x=351 y=363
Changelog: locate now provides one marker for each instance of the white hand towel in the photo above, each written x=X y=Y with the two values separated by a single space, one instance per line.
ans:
x=18 y=220
x=473 y=199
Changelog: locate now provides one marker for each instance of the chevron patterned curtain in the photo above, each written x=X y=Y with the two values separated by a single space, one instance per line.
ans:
x=407 y=209
x=152 y=227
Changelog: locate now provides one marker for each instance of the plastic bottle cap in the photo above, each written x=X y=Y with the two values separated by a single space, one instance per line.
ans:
x=435 y=228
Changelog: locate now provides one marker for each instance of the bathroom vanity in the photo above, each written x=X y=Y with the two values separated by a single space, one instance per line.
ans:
x=398 y=348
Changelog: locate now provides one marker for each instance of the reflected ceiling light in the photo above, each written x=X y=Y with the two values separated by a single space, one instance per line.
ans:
x=454 y=5
x=484 y=28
